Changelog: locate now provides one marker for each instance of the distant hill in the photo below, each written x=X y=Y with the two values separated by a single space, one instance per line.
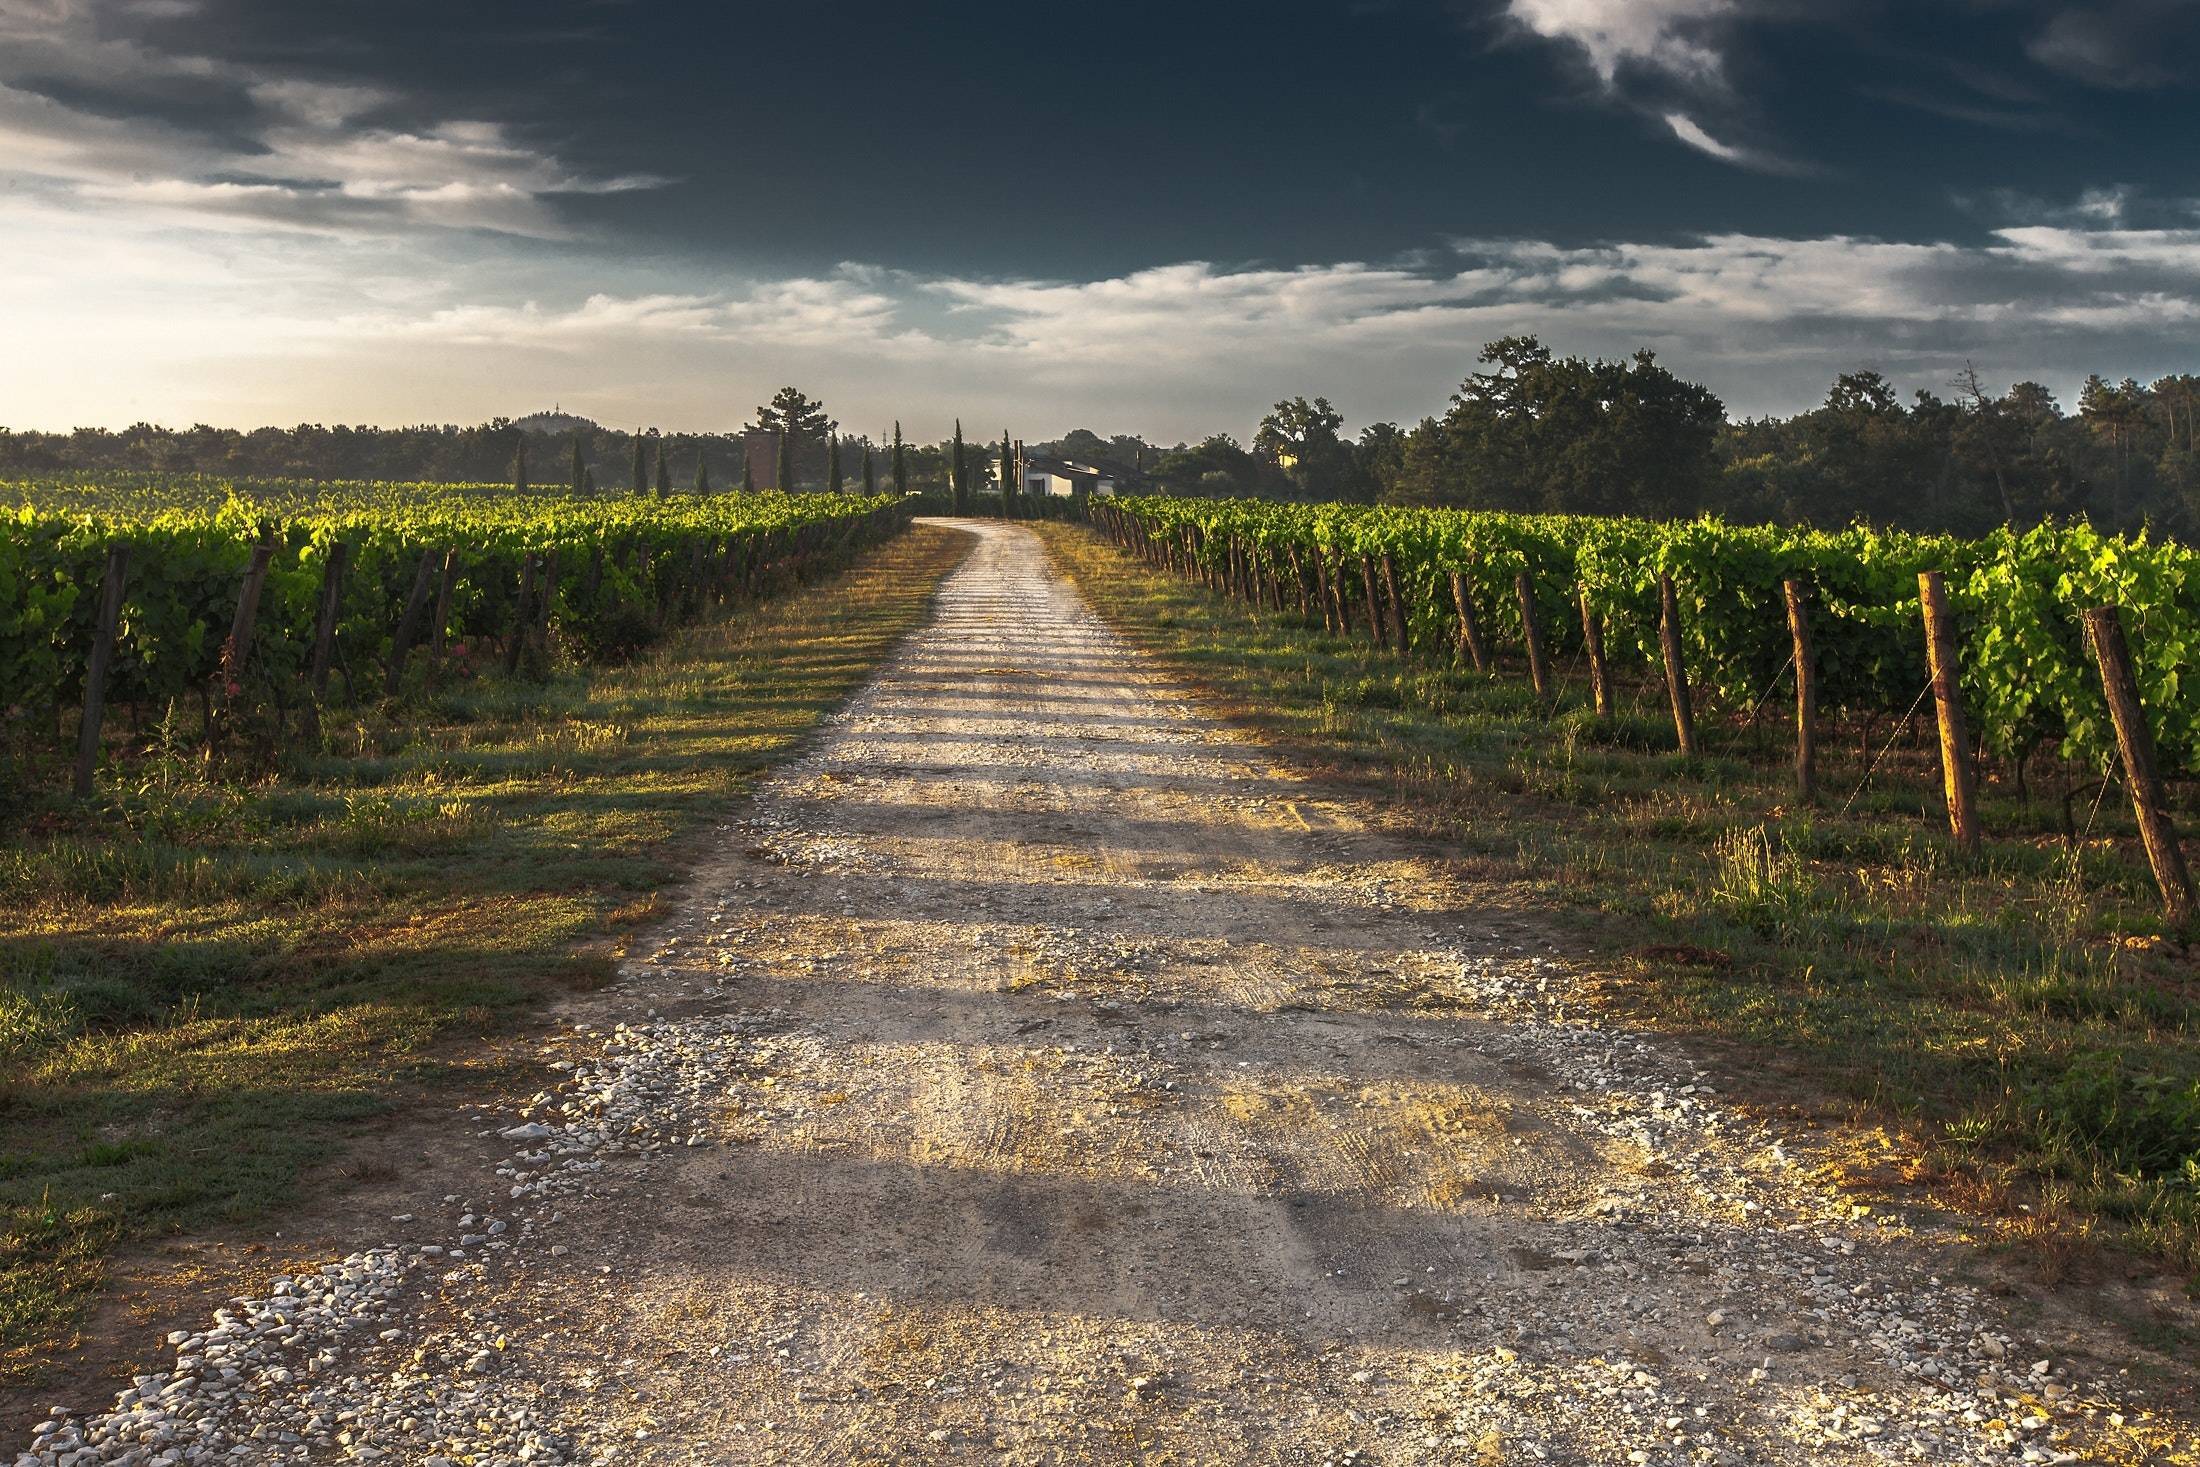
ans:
x=554 y=423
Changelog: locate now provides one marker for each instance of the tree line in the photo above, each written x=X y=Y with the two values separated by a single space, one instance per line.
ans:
x=1532 y=431
x=791 y=442
x=1528 y=430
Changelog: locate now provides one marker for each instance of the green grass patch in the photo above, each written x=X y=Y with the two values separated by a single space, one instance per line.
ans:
x=2021 y=1016
x=207 y=982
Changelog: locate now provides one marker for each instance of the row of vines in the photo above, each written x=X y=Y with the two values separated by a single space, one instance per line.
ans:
x=2027 y=673
x=291 y=601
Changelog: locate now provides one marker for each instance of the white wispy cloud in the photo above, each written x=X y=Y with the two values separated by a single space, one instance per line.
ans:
x=248 y=324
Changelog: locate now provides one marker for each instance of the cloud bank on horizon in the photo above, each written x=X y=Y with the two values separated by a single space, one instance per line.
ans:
x=221 y=211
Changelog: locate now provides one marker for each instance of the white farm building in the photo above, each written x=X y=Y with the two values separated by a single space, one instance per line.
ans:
x=1060 y=478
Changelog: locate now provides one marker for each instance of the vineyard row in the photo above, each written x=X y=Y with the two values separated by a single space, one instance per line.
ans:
x=250 y=613
x=2024 y=631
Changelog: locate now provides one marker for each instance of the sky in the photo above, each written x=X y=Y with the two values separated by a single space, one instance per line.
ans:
x=1130 y=217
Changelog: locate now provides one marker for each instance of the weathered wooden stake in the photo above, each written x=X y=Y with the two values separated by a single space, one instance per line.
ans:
x=324 y=620
x=1298 y=583
x=408 y=621
x=95 y=668
x=516 y=642
x=237 y=651
x=2135 y=741
x=1955 y=746
x=1374 y=604
x=1470 y=625
x=1397 y=606
x=1539 y=671
x=1676 y=670
x=1806 y=693
x=1600 y=674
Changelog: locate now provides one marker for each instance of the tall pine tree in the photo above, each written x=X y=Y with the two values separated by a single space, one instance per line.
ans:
x=664 y=470
x=641 y=465
x=958 y=476
x=748 y=467
x=870 y=474
x=519 y=467
x=901 y=463
x=1009 y=486
x=580 y=464
x=702 y=472
x=832 y=461
x=785 y=474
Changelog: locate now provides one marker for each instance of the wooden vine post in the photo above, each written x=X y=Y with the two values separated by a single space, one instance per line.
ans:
x=1470 y=626
x=2135 y=742
x=1592 y=641
x=1298 y=581
x=1531 y=632
x=1806 y=693
x=237 y=651
x=1397 y=605
x=516 y=642
x=324 y=624
x=1955 y=744
x=95 y=669
x=1676 y=670
x=408 y=621
x=1374 y=604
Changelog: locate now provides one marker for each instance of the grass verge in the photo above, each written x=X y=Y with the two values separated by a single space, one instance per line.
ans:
x=2018 y=1020
x=205 y=985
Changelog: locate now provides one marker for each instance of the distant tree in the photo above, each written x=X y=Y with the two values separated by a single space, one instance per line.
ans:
x=900 y=465
x=2114 y=414
x=833 y=482
x=958 y=482
x=1216 y=466
x=580 y=461
x=1378 y=462
x=641 y=466
x=748 y=468
x=803 y=426
x=870 y=475
x=1544 y=433
x=519 y=467
x=702 y=472
x=1300 y=439
x=1009 y=486
x=588 y=480
x=664 y=470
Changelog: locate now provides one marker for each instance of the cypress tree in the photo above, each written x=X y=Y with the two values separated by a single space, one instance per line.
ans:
x=702 y=473
x=958 y=480
x=580 y=464
x=901 y=463
x=1009 y=486
x=748 y=470
x=588 y=481
x=870 y=475
x=641 y=467
x=519 y=467
x=785 y=473
x=832 y=462
x=664 y=470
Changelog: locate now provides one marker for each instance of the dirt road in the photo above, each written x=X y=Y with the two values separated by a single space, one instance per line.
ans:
x=1044 y=1073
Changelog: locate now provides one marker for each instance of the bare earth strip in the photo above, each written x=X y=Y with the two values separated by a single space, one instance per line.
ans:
x=1045 y=1073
